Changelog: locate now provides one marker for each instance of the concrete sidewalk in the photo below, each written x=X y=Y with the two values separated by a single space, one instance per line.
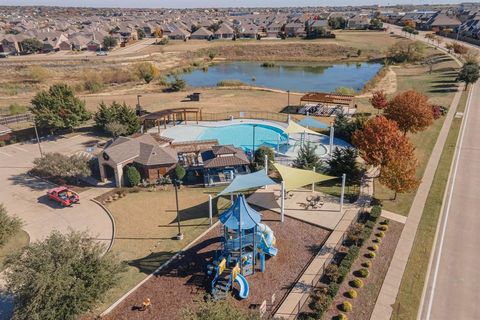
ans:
x=391 y=285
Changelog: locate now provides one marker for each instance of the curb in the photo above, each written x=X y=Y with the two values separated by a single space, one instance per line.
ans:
x=122 y=298
x=114 y=229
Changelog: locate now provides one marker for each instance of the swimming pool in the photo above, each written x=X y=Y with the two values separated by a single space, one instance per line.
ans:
x=241 y=135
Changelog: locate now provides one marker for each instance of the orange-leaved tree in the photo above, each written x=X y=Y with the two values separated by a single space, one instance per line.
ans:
x=399 y=173
x=378 y=141
x=379 y=100
x=411 y=111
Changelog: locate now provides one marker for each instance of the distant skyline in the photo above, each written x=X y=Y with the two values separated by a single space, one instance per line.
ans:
x=214 y=3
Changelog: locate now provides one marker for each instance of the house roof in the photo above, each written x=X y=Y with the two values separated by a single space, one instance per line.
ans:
x=202 y=32
x=224 y=29
x=225 y=149
x=220 y=160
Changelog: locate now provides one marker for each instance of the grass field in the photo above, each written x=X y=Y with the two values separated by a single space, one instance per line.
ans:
x=146 y=227
x=18 y=241
x=410 y=293
x=440 y=86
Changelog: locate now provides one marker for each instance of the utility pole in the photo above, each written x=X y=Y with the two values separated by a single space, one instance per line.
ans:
x=38 y=138
x=179 y=234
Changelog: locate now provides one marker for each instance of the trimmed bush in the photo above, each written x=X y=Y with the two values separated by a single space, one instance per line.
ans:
x=133 y=177
x=385 y=222
x=332 y=273
x=380 y=234
x=370 y=224
x=375 y=213
x=383 y=228
x=363 y=273
x=356 y=283
x=333 y=289
x=370 y=255
x=377 y=240
x=343 y=272
x=346 y=306
x=352 y=294
x=341 y=316
x=373 y=247
x=367 y=264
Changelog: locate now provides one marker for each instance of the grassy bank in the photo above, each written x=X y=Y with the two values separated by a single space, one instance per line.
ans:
x=408 y=299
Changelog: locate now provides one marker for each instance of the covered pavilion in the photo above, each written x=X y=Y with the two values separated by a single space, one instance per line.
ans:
x=174 y=114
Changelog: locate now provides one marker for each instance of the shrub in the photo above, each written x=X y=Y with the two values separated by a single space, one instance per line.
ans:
x=380 y=234
x=9 y=225
x=133 y=176
x=333 y=289
x=355 y=233
x=346 y=306
x=341 y=316
x=16 y=108
x=352 y=294
x=268 y=65
x=356 y=283
x=92 y=81
x=385 y=222
x=375 y=213
x=58 y=165
x=146 y=71
x=332 y=273
x=163 y=41
x=342 y=273
x=383 y=228
x=370 y=255
x=377 y=240
x=370 y=224
x=38 y=73
x=345 y=91
x=177 y=84
x=367 y=264
x=363 y=273
x=373 y=247
x=321 y=301
x=212 y=54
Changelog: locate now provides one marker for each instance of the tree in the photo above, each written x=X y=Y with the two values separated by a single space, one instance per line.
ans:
x=110 y=42
x=31 y=45
x=259 y=157
x=217 y=310
x=57 y=165
x=406 y=51
x=60 y=277
x=378 y=141
x=307 y=158
x=344 y=160
x=116 y=129
x=146 y=71
x=399 y=173
x=117 y=113
x=344 y=128
x=379 y=100
x=355 y=233
x=469 y=73
x=411 y=111
x=9 y=225
x=179 y=171
x=133 y=176
x=141 y=34
x=58 y=108
x=157 y=33
x=337 y=23
x=177 y=84
x=430 y=37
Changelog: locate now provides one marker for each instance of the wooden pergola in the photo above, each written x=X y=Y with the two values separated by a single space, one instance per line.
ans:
x=328 y=98
x=174 y=114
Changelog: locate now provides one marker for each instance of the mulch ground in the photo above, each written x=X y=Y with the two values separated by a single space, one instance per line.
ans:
x=183 y=281
x=367 y=296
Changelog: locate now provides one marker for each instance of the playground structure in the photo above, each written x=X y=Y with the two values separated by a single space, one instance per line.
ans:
x=245 y=243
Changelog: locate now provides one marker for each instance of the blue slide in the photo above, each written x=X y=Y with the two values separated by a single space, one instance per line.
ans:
x=243 y=291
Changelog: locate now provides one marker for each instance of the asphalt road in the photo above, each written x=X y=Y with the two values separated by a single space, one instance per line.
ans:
x=453 y=279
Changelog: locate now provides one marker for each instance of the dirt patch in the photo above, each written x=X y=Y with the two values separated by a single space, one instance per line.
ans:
x=365 y=302
x=183 y=281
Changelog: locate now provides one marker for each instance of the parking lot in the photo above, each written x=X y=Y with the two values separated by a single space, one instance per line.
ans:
x=25 y=196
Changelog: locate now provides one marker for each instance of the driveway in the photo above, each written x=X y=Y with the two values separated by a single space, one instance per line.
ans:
x=24 y=195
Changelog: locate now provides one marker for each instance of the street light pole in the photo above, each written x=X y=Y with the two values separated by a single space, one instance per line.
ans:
x=38 y=139
x=179 y=234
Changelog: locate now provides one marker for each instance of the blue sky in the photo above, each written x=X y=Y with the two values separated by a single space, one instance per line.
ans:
x=213 y=3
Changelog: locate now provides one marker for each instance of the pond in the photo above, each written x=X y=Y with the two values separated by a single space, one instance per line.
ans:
x=300 y=77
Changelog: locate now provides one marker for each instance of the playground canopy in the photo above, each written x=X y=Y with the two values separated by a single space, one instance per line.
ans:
x=296 y=178
x=248 y=181
x=294 y=127
x=240 y=214
x=312 y=123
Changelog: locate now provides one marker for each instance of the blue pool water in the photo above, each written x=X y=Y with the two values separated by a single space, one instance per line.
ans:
x=241 y=135
x=286 y=76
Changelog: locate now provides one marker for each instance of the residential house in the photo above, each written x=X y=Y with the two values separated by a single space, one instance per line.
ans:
x=441 y=21
x=358 y=22
x=224 y=32
x=176 y=33
x=274 y=28
x=9 y=44
x=202 y=34
x=317 y=28
x=295 y=29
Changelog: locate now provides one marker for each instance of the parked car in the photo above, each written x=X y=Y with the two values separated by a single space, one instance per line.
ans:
x=102 y=53
x=64 y=196
x=3 y=55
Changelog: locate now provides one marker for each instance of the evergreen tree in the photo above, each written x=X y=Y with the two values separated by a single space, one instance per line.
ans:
x=117 y=113
x=344 y=161
x=307 y=157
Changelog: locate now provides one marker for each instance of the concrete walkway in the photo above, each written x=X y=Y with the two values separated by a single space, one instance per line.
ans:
x=391 y=285
x=394 y=216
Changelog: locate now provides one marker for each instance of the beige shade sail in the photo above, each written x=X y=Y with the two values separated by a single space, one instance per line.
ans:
x=294 y=178
x=294 y=127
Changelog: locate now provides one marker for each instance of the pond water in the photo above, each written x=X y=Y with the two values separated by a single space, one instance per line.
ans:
x=286 y=76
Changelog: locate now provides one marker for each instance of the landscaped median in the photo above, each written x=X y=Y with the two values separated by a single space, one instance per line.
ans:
x=353 y=279
x=410 y=293
x=146 y=228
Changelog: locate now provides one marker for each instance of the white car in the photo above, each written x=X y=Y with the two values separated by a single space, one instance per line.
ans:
x=102 y=53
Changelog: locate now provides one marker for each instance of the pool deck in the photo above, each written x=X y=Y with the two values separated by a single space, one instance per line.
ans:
x=326 y=216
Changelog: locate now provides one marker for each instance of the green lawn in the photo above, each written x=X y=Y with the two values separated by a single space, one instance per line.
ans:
x=18 y=241
x=408 y=299
x=146 y=226
x=440 y=86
